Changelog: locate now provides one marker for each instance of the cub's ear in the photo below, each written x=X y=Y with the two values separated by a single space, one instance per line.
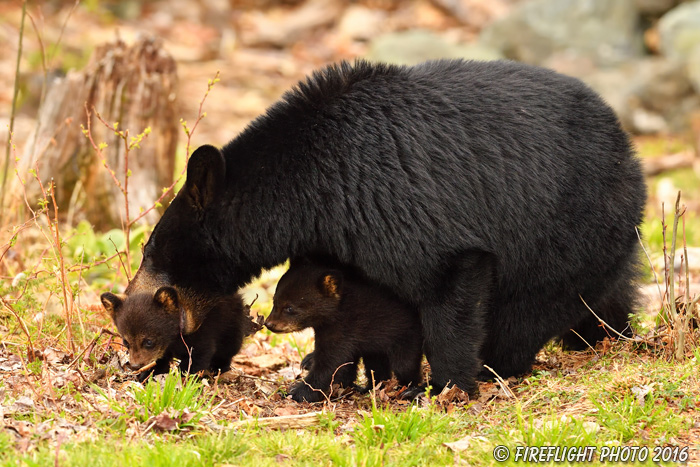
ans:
x=112 y=303
x=166 y=297
x=331 y=283
x=206 y=174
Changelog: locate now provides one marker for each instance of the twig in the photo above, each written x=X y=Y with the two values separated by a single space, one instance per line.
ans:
x=43 y=62
x=63 y=28
x=15 y=93
x=501 y=383
x=143 y=368
x=64 y=280
x=671 y=291
x=241 y=374
x=330 y=387
x=91 y=345
x=622 y=336
x=584 y=341
x=21 y=323
x=651 y=264
x=189 y=133
x=687 y=295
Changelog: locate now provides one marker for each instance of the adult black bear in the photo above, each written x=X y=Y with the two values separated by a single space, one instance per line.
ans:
x=352 y=319
x=152 y=327
x=489 y=196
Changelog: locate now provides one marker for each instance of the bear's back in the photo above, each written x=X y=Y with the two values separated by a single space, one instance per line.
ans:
x=445 y=157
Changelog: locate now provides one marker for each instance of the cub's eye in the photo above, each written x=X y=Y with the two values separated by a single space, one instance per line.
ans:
x=288 y=309
x=148 y=344
x=126 y=343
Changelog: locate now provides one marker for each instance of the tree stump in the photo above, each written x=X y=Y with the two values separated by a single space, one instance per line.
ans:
x=134 y=86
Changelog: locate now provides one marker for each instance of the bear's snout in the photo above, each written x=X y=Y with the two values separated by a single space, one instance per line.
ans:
x=134 y=366
x=271 y=325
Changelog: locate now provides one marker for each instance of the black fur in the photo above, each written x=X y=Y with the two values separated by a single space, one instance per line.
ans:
x=352 y=319
x=144 y=317
x=489 y=196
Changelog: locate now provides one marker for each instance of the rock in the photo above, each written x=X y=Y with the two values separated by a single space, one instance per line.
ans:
x=416 y=46
x=474 y=13
x=361 y=23
x=651 y=95
x=606 y=31
x=280 y=27
x=654 y=7
x=693 y=68
x=679 y=30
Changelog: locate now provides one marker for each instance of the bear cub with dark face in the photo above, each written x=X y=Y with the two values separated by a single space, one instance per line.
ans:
x=352 y=319
x=152 y=327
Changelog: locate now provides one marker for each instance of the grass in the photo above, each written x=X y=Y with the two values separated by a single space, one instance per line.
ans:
x=65 y=401
x=83 y=410
x=611 y=415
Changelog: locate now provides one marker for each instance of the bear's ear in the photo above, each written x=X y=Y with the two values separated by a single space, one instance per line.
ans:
x=206 y=174
x=166 y=297
x=112 y=303
x=331 y=282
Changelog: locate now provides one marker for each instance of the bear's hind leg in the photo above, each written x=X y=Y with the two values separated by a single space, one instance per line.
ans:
x=377 y=368
x=614 y=310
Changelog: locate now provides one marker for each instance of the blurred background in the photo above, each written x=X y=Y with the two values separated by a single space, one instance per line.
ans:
x=214 y=65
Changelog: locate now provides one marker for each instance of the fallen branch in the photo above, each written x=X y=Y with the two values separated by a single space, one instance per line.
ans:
x=680 y=160
x=282 y=422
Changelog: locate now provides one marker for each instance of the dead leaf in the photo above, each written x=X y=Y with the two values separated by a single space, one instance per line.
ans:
x=459 y=445
x=282 y=411
x=268 y=361
x=640 y=392
x=165 y=422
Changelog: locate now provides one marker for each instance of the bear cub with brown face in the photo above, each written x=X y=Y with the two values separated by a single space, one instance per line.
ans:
x=352 y=319
x=154 y=327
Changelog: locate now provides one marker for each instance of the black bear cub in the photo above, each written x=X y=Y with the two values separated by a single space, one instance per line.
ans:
x=352 y=319
x=151 y=327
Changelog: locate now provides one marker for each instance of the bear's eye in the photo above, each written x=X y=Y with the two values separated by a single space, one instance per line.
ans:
x=126 y=343
x=288 y=309
x=148 y=344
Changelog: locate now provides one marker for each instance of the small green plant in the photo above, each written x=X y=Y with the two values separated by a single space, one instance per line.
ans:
x=628 y=414
x=175 y=394
x=34 y=367
x=327 y=420
x=552 y=430
x=384 y=427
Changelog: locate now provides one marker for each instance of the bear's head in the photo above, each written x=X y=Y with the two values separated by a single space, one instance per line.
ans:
x=147 y=323
x=184 y=249
x=306 y=296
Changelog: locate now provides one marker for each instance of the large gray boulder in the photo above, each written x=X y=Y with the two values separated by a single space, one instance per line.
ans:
x=651 y=95
x=415 y=46
x=679 y=31
x=607 y=32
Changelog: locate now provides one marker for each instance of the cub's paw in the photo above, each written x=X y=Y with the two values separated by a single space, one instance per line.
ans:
x=303 y=393
x=308 y=361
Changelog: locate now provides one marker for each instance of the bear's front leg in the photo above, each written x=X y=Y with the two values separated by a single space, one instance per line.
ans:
x=196 y=359
x=454 y=321
x=331 y=364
